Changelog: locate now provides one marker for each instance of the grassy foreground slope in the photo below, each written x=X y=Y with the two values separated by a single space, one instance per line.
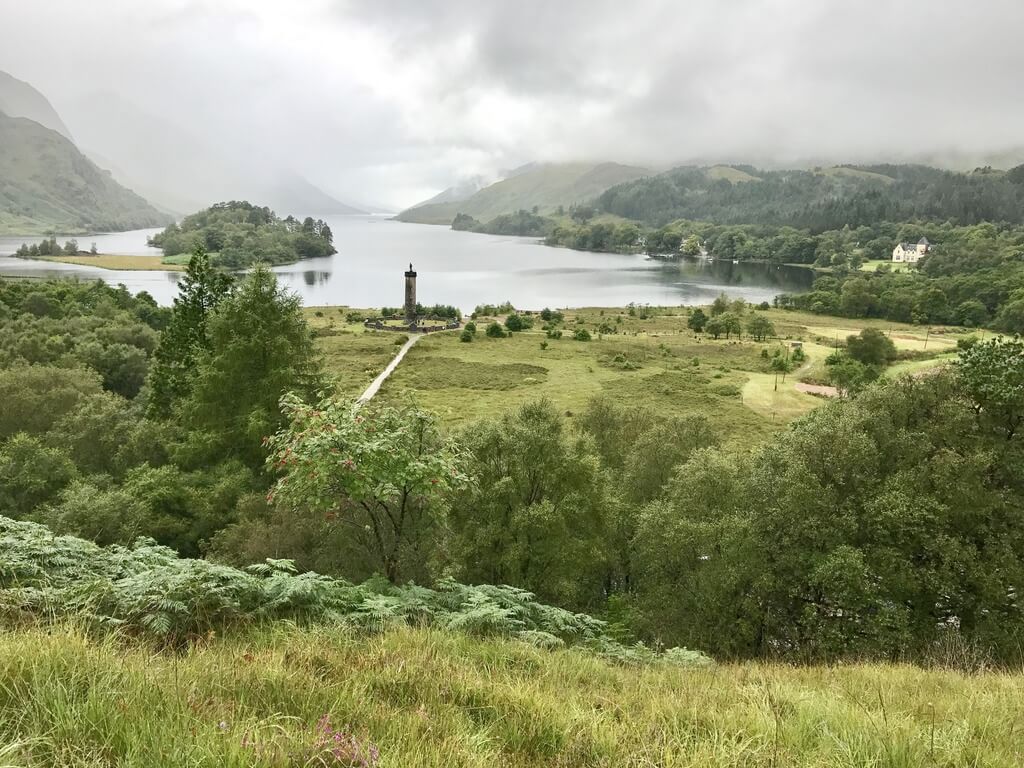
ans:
x=428 y=698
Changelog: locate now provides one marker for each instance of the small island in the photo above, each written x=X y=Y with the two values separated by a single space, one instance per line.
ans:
x=238 y=234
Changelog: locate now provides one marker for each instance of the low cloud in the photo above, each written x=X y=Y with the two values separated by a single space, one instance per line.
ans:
x=392 y=100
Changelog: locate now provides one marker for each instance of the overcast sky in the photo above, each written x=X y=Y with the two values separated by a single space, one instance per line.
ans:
x=392 y=100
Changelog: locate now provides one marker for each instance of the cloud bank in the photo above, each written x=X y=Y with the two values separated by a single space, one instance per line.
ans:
x=392 y=100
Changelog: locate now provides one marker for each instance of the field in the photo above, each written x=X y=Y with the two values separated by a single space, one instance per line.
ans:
x=655 y=362
x=429 y=698
x=112 y=261
x=872 y=265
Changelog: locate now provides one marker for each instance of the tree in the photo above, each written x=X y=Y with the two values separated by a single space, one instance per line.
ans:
x=992 y=376
x=30 y=474
x=35 y=397
x=871 y=347
x=185 y=337
x=849 y=376
x=259 y=348
x=697 y=320
x=379 y=471
x=760 y=327
x=780 y=365
x=715 y=326
x=720 y=305
x=537 y=515
x=514 y=322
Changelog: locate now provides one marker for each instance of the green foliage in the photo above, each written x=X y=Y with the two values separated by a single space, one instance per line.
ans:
x=149 y=592
x=871 y=347
x=30 y=474
x=817 y=200
x=466 y=335
x=35 y=397
x=85 y=325
x=537 y=513
x=186 y=337
x=380 y=470
x=760 y=327
x=243 y=234
x=516 y=322
x=495 y=331
x=992 y=375
x=697 y=320
x=848 y=375
x=879 y=527
x=581 y=334
x=259 y=347
x=493 y=310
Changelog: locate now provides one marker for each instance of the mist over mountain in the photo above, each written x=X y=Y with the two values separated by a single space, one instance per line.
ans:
x=181 y=168
x=19 y=99
x=49 y=186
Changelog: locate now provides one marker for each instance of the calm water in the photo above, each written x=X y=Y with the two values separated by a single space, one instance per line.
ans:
x=459 y=268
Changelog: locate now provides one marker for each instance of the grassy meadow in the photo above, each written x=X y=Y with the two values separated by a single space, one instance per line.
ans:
x=425 y=698
x=656 y=362
x=121 y=262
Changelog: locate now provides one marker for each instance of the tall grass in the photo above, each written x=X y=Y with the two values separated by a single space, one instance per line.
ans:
x=436 y=698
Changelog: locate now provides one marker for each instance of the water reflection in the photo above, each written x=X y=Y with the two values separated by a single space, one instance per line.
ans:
x=312 y=277
x=460 y=268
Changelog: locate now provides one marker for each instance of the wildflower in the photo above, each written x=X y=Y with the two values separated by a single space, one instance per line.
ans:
x=223 y=725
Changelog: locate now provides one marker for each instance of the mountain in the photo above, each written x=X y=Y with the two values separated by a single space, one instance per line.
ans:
x=180 y=169
x=292 y=194
x=19 y=99
x=545 y=186
x=461 y=191
x=48 y=185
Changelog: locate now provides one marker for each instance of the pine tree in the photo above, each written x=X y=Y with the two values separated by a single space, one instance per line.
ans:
x=202 y=289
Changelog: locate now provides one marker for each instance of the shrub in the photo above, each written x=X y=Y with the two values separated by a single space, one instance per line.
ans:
x=581 y=334
x=466 y=335
x=495 y=331
x=554 y=333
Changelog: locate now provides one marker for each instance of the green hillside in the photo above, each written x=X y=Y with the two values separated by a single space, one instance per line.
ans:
x=818 y=199
x=47 y=185
x=545 y=186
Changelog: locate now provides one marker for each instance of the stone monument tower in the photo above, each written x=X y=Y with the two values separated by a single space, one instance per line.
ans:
x=410 y=295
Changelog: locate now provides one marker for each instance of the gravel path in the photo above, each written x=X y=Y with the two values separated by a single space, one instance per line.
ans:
x=375 y=386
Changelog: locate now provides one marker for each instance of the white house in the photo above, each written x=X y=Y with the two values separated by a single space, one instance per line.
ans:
x=910 y=253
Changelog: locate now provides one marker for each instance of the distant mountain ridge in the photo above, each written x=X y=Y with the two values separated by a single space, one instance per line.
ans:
x=48 y=185
x=545 y=186
x=19 y=99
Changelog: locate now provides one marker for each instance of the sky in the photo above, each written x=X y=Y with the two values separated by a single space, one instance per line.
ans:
x=390 y=101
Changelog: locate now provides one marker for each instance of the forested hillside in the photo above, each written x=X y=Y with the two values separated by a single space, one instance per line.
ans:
x=819 y=200
x=47 y=185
